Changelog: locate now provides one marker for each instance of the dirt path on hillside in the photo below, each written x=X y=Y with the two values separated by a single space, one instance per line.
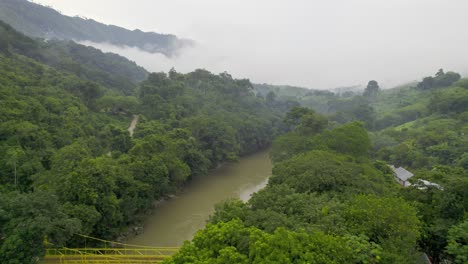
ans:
x=133 y=124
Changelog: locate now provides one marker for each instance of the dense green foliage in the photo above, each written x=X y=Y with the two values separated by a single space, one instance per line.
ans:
x=430 y=131
x=107 y=69
x=327 y=188
x=67 y=162
x=326 y=202
x=372 y=89
x=425 y=130
x=441 y=79
x=233 y=242
x=315 y=99
x=341 y=107
x=36 y=20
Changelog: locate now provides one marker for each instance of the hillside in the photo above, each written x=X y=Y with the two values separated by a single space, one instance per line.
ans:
x=424 y=129
x=281 y=90
x=108 y=69
x=39 y=21
x=315 y=99
x=67 y=161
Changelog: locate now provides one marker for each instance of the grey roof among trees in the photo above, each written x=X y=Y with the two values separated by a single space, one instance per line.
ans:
x=402 y=174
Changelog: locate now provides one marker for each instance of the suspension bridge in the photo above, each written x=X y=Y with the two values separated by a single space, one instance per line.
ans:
x=109 y=253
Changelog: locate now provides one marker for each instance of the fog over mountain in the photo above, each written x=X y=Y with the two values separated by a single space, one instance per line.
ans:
x=317 y=44
x=36 y=20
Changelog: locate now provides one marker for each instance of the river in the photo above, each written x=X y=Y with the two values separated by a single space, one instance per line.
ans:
x=178 y=219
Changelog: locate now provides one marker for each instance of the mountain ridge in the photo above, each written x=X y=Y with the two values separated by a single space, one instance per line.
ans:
x=36 y=20
x=108 y=69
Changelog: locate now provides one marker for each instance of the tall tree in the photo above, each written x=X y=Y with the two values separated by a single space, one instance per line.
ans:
x=372 y=89
x=14 y=154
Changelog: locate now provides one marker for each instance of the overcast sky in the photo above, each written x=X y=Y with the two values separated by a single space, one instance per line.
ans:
x=313 y=43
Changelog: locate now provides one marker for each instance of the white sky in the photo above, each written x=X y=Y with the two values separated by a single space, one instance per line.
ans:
x=314 y=43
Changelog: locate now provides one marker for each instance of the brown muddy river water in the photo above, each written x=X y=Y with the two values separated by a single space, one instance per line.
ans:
x=179 y=218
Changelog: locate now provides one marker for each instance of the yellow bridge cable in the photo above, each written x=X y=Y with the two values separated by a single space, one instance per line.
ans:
x=124 y=244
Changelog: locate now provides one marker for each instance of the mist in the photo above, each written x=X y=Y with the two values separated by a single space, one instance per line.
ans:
x=314 y=44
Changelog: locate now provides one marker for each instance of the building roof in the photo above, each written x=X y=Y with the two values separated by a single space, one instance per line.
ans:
x=401 y=173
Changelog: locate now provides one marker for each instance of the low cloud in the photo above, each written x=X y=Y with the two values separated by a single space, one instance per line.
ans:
x=314 y=44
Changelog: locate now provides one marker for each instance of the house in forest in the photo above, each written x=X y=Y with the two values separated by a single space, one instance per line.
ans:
x=402 y=175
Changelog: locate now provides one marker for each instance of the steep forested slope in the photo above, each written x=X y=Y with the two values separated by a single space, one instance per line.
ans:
x=67 y=162
x=424 y=128
x=107 y=69
x=39 y=21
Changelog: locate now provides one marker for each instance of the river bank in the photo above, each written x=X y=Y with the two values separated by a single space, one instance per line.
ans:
x=175 y=220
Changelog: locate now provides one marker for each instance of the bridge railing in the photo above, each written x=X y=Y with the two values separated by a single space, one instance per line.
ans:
x=166 y=251
x=116 y=253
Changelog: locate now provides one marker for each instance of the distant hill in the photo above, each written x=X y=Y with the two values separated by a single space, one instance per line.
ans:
x=40 y=21
x=281 y=90
x=354 y=89
x=108 y=69
x=313 y=98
